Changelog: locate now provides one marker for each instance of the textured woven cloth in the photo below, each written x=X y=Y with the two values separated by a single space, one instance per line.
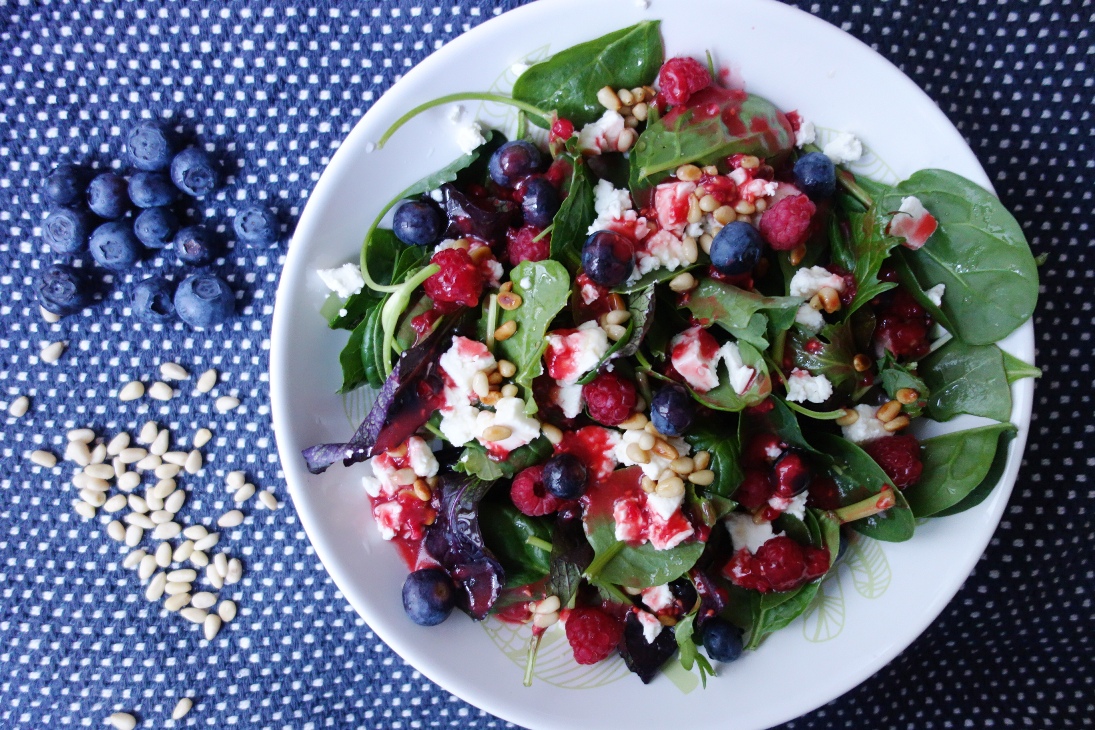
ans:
x=273 y=88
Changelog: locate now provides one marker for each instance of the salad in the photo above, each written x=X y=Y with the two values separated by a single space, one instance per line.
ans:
x=646 y=368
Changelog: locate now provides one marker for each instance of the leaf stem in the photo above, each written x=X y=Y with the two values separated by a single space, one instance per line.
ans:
x=602 y=560
x=522 y=123
x=869 y=507
x=847 y=181
x=462 y=96
x=818 y=415
x=543 y=233
x=397 y=302
x=530 y=660
x=492 y=320
x=537 y=542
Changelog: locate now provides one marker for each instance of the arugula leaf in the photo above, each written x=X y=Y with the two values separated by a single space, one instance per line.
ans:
x=996 y=470
x=568 y=82
x=574 y=217
x=642 y=313
x=738 y=311
x=829 y=353
x=571 y=554
x=657 y=276
x=966 y=379
x=725 y=450
x=688 y=652
x=723 y=397
x=1016 y=369
x=476 y=461
x=715 y=124
x=894 y=376
x=546 y=293
x=954 y=465
x=506 y=532
x=858 y=477
x=869 y=248
x=979 y=252
x=623 y=564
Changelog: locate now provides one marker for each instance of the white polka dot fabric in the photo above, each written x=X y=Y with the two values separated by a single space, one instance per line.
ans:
x=270 y=91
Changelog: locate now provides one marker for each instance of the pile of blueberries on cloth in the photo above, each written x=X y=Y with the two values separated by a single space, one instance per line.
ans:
x=118 y=221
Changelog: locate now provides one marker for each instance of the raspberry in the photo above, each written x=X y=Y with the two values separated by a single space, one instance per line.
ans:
x=593 y=634
x=520 y=246
x=609 y=398
x=681 y=77
x=791 y=474
x=903 y=326
x=458 y=282
x=528 y=493
x=899 y=457
x=755 y=489
x=782 y=562
x=787 y=223
x=562 y=130
x=817 y=562
x=743 y=571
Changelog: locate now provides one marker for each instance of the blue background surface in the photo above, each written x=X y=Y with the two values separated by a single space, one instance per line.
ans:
x=271 y=89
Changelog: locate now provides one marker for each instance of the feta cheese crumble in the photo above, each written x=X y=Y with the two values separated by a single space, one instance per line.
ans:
x=913 y=222
x=935 y=294
x=663 y=250
x=689 y=355
x=795 y=506
x=345 y=280
x=740 y=374
x=809 y=318
x=803 y=387
x=744 y=533
x=651 y=625
x=572 y=355
x=809 y=281
x=469 y=134
x=508 y=412
x=568 y=396
x=609 y=204
x=657 y=598
x=806 y=134
x=867 y=427
x=657 y=463
x=843 y=148
x=602 y=135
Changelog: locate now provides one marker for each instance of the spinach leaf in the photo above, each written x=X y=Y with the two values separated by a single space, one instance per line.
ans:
x=356 y=307
x=657 y=276
x=725 y=450
x=641 y=307
x=954 y=465
x=571 y=554
x=723 y=397
x=981 y=492
x=353 y=366
x=966 y=379
x=829 y=353
x=372 y=349
x=715 y=124
x=1016 y=369
x=911 y=285
x=506 y=532
x=767 y=620
x=738 y=311
x=476 y=461
x=858 y=477
x=978 y=251
x=894 y=376
x=869 y=249
x=544 y=287
x=568 y=82
x=574 y=217
x=623 y=564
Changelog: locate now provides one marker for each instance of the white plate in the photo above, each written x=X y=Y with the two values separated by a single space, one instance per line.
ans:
x=876 y=604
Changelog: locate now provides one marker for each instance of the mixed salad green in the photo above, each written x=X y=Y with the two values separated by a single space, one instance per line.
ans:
x=646 y=368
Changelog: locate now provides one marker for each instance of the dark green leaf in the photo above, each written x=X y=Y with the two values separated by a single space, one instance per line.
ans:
x=981 y=492
x=966 y=379
x=475 y=461
x=657 y=276
x=894 y=376
x=568 y=82
x=858 y=477
x=406 y=336
x=829 y=353
x=744 y=124
x=739 y=312
x=954 y=465
x=353 y=366
x=722 y=443
x=723 y=397
x=546 y=293
x=372 y=349
x=575 y=216
x=869 y=248
x=1016 y=369
x=769 y=620
x=978 y=251
x=571 y=554
x=641 y=307
x=506 y=532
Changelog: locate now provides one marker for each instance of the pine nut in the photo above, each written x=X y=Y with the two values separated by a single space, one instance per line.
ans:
x=682 y=465
x=709 y=204
x=497 y=433
x=552 y=433
x=77 y=451
x=203 y=599
x=724 y=215
x=896 y=424
x=83 y=509
x=689 y=173
x=194 y=615
x=82 y=435
x=116 y=531
x=95 y=499
x=177 y=602
x=167 y=530
x=162 y=444
x=634 y=422
x=214 y=578
x=682 y=282
x=164 y=489
x=268 y=500
x=183 y=551
x=495 y=378
x=690 y=250
x=199 y=559
x=798 y=253
x=762 y=205
x=118 y=444
x=201 y=437
x=195 y=532
x=156 y=587
x=164 y=554
x=627 y=139
x=194 y=462
x=207 y=381
x=670 y=488
x=161 y=391
x=507 y=330
x=607 y=98
x=509 y=390
x=99 y=471
x=147 y=567
x=233 y=518
x=888 y=411
x=749 y=162
x=701 y=460
x=235 y=572
x=98 y=454
x=617 y=316
x=509 y=301
x=236 y=479
x=479 y=384
x=703 y=477
x=44 y=459
x=132 y=390
x=226 y=403
x=744 y=207
x=207 y=541
x=49 y=316
x=182 y=707
x=422 y=491
x=167 y=471
x=52 y=352
x=132 y=455
x=211 y=626
x=648 y=484
x=161 y=516
x=122 y=721
x=665 y=450
x=173 y=371
x=907 y=396
x=637 y=455
x=506 y=368
x=128 y=482
x=615 y=332
x=830 y=299
x=137 y=503
x=861 y=363
x=227 y=610
x=148 y=433
x=178 y=458
x=640 y=111
x=850 y=416
x=646 y=441
x=220 y=562
x=174 y=502
x=695 y=215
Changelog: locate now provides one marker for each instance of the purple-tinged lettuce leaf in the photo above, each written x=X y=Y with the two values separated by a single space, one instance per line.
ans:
x=486 y=220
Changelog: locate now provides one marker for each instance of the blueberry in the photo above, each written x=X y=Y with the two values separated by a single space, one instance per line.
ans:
x=149 y=146
x=815 y=175
x=608 y=258
x=152 y=300
x=565 y=476
x=66 y=230
x=256 y=225
x=672 y=410
x=204 y=300
x=114 y=246
x=151 y=189
x=513 y=161
x=736 y=249
x=541 y=202
x=419 y=222
x=62 y=289
x=193 y=172
x=722 y=640
x=428 y=596
x=65 y=185
x=108 y=195
x=197 y=246
x=156 y=227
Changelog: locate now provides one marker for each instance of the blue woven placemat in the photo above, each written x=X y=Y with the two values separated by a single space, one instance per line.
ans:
x=271 y=90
